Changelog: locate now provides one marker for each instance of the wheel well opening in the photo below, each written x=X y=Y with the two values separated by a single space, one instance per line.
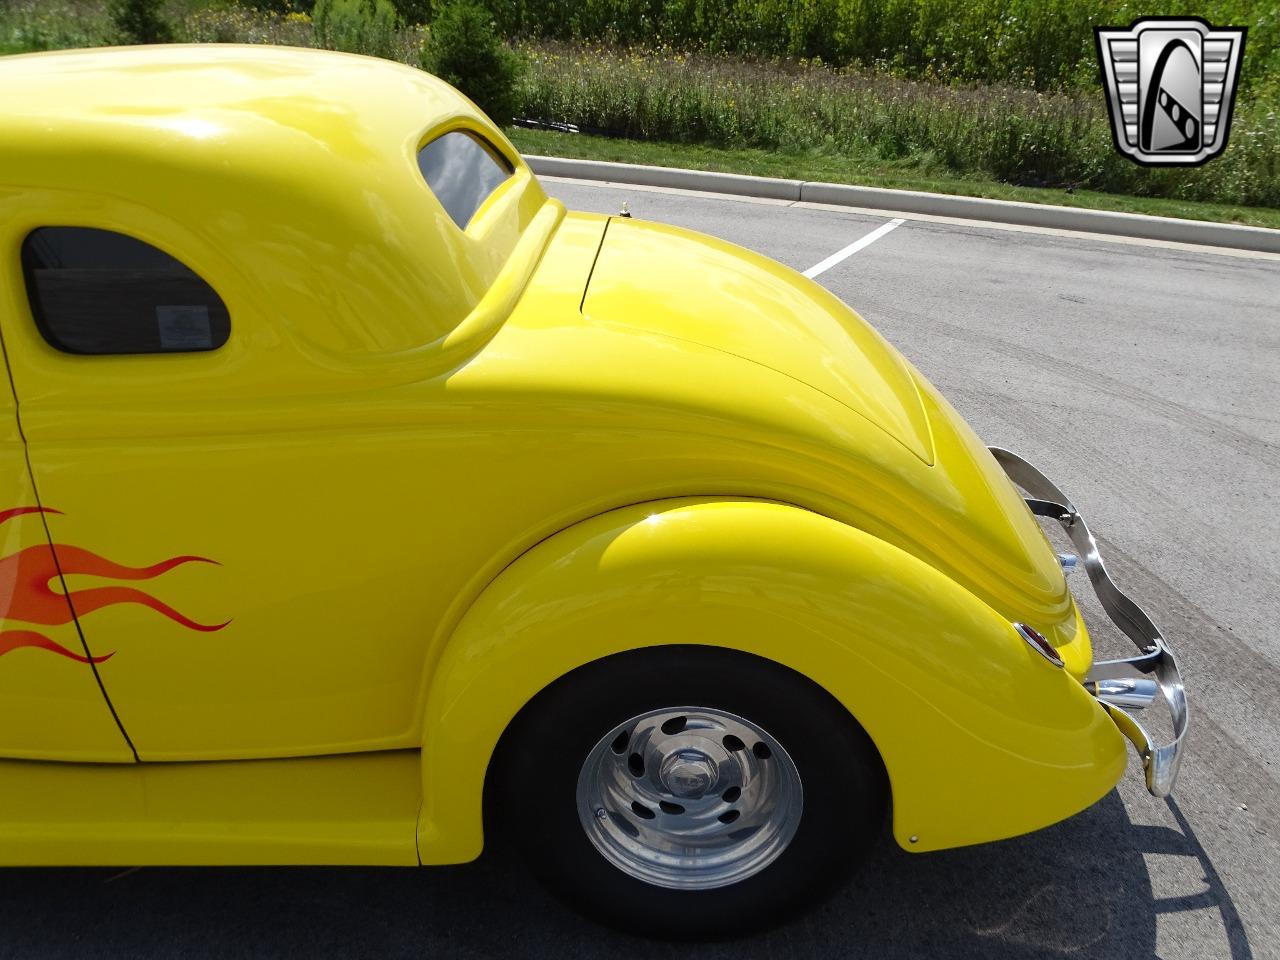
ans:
x=646 y=662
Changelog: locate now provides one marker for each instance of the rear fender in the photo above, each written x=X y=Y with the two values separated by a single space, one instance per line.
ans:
x=982 y=738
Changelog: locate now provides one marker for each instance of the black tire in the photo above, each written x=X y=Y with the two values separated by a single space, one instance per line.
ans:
x=531 y=793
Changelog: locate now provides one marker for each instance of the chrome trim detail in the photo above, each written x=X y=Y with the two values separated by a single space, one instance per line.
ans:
x=1037 y=642
x=1136 y=693
x=1159 y=762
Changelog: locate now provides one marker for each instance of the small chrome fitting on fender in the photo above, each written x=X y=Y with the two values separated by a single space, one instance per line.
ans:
x=1037 y=641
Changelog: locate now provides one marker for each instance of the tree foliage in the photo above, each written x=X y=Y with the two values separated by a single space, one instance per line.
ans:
x=139 y=21
x=466 y=50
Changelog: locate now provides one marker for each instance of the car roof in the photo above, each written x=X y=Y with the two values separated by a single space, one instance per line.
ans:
x=300 y=156
x=297 y=101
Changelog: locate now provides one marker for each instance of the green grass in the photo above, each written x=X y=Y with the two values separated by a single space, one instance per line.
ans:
x=912 y=174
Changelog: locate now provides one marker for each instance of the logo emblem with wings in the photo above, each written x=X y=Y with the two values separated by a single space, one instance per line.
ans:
x=1171 y=82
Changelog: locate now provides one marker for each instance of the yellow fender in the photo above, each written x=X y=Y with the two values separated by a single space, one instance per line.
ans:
x=981 y=736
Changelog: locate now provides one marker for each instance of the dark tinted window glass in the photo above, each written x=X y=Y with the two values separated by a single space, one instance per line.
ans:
x=95 y=291
x=461 y=173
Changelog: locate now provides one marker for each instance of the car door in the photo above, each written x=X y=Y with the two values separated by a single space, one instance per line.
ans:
x=218 y=553
x=51 y=705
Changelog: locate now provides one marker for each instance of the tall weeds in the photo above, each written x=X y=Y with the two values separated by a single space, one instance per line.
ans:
x=993 y=130
x=356 y=26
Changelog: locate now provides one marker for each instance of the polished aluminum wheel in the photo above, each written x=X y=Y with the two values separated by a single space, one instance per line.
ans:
x=689 y=798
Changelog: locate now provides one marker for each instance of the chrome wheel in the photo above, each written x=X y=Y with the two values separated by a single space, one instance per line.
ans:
x=689 y=798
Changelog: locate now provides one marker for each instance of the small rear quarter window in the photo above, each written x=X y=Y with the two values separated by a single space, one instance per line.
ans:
x=100 y=292
x=462 y=171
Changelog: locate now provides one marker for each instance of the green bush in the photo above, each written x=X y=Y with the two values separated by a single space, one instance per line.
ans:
x=1045 y=43
x=280 y=7
x=414 y=11
x=356 y=26
x=139 y=21
x=466 y=51
x=27 y=25
x=409 y=11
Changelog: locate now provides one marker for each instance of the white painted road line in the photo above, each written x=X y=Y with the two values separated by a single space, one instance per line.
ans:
x=852 y=248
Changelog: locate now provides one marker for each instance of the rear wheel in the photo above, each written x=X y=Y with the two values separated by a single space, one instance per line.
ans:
x=687 y=791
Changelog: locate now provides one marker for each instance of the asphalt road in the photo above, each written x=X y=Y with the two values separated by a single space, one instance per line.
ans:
x=1144 y=378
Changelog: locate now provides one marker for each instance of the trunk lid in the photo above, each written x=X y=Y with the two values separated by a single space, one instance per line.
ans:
x=689 y=287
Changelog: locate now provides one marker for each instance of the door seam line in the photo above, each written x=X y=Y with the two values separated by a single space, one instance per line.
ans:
x=48 y=536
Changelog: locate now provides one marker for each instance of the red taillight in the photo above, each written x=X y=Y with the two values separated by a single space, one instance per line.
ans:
x=1037 y=641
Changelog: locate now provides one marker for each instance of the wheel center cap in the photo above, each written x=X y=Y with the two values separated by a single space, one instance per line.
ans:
x=688 y=774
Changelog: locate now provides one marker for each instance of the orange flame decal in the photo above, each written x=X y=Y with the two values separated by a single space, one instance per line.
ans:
x=14 y=639
x=25 y=577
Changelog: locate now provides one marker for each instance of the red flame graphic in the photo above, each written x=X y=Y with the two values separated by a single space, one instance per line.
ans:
x=14 y=639
x=25 y=577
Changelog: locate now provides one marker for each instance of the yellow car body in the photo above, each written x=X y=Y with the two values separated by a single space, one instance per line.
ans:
x=277 y=602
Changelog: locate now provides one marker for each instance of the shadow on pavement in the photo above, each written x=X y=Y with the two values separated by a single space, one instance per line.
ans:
x=1079 y=889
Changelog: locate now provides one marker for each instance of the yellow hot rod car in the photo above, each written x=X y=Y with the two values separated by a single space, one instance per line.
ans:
x=358 y=501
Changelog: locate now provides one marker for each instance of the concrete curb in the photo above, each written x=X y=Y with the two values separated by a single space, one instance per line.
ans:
x=910 y=201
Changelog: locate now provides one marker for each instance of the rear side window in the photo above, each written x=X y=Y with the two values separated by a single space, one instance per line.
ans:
x=462 y=172
x=100 y=292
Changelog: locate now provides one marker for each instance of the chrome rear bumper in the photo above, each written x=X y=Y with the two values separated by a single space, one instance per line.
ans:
x=1115 y=682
